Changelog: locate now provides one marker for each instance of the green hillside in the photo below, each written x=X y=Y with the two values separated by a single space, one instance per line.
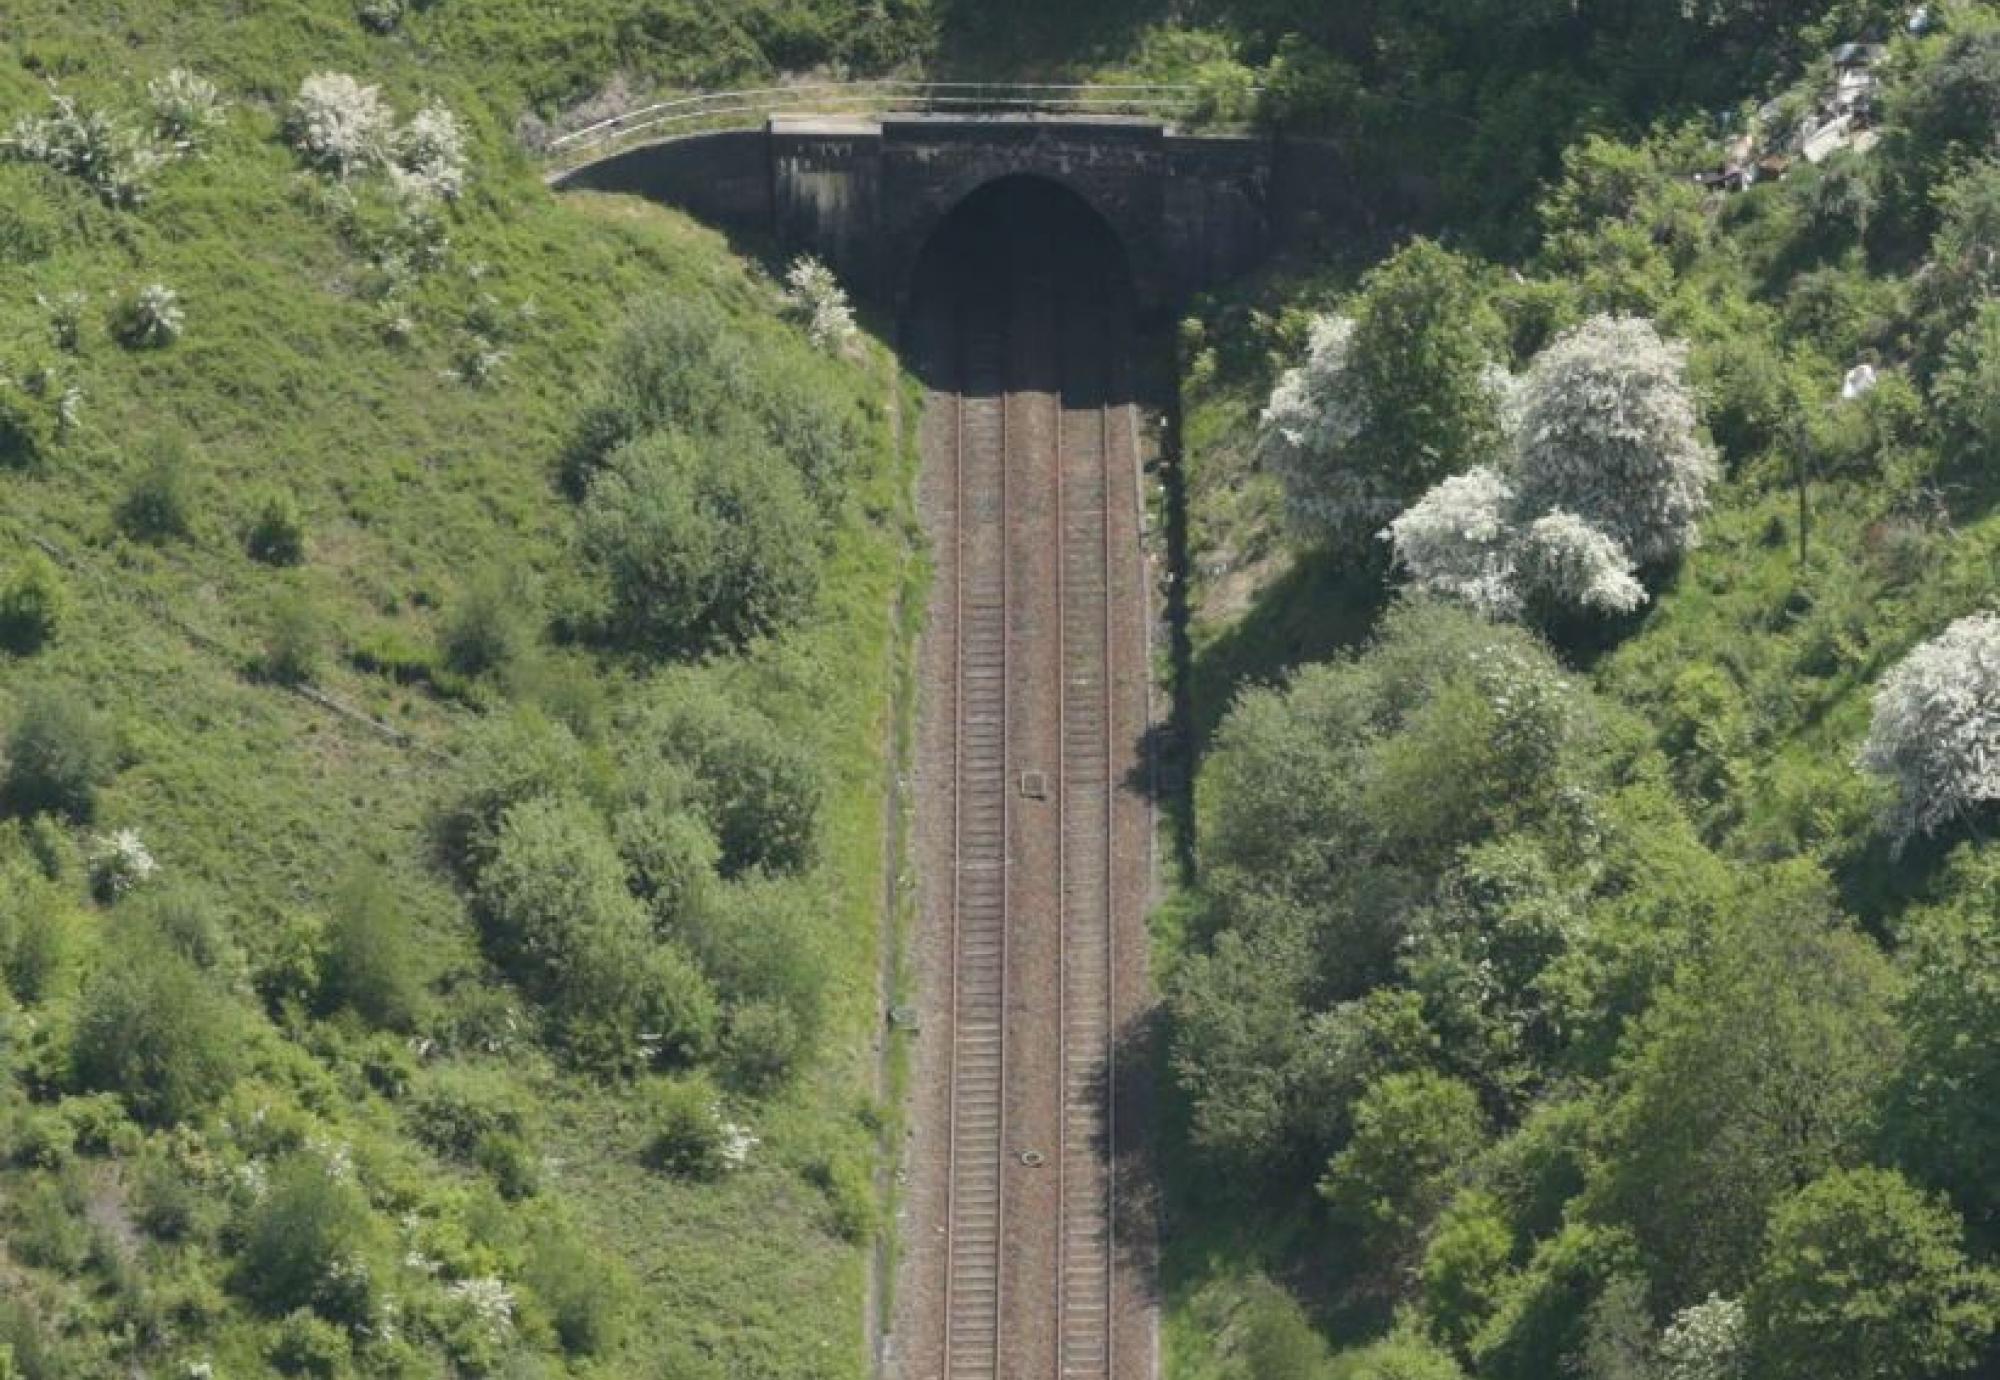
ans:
x=308 y=601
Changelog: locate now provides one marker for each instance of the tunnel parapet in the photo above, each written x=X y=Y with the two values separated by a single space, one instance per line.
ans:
x=866 y=194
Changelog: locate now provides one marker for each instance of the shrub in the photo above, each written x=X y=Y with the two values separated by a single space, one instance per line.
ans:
x=156 y=505
x=277 y=535
x=310 y=1346
x=1458 y=542
x=506 y=760
x=65 y=313
x=338 y=124
x=818 y=302
x=459 y=1105
x=25 y=434
x=689 y=1139
x=766 y=1041
x=1705 y=1341
x=1935 y=735
x=430 y=155
x=58 y=755
x=1573 y=565
x=1968 y=389
x=488 y=626
x=153 y=1030
x=120 y=862
x=1413 y=1134
x=187 y=109
x=555 y=908
x=99 y=150
x=705 y=547
x=585 y=1294
x=151 y=319
x=37 y=936
x=293 y=639
x=759 y=791
x=1608 y=433
x=373 y=965
x=306 y=1243
x=32 y=601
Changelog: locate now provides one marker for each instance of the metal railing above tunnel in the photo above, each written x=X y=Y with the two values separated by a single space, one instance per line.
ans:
x=740 y=109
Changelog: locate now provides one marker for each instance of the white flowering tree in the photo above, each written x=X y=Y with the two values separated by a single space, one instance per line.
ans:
x=1608 y=432
x=1315 y=413
x=1705 y=1341
x=187 y=109
x=1459 y=541
x=430 y=155
x=339 y=124
x=1607 y=473
x=1935 y=736
x=816 y=298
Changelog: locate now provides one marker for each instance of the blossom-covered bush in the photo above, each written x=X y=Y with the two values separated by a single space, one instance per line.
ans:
x=109 y=156
x=1459 y=541
x=1705 y=1341
x=1608 y=432
x=187 y=109
x=1936 y=730
x=1571 y=563
x=820 y=303
x=430 y=155
x=152 y=319
x=339 y=124
x=119 y=863
x=1314 y=413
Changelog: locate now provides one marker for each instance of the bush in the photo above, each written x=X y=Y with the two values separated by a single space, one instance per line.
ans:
x=556 y=910
x=25 y=434
x=705 y=546
x=153 y=1030
x=671 y=856
x=277 y=535
x=307 y=1244
x=156 y=503
x=339 y=125
x=1968 y=389
x=585 y=1294
x=187 y=109
x=817 y=301
x=759 y=790
x=101 y=151
x=374 y=965
x=488 y=627
x=58 y=755
x=310 y=1346
x=430 y=155
x=689 y=1139
x=506 y=760
x=1413 y=1134
x=151 y=319
x=1935 y=735
x=32 y=602
x=293 y=641
x=458 y=1106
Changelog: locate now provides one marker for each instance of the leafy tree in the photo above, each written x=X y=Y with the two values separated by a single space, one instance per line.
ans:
x=151 y=1028
x=1404 y=1355
x=1865 y=1276
x=1541 y=1326
x=1935 y=735
x=1466 y=1261
x=1414 y=1133
x=1389 y=400
x=1755 y=1072
x=704 y=545
x=58 y=755
x=1968 y=389
x=1705 y=1341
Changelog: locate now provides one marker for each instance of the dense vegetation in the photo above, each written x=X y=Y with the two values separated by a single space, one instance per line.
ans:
x=1586 y=966
x=447 y=647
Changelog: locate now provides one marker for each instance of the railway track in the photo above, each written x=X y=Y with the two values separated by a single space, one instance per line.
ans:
x=1038 y=714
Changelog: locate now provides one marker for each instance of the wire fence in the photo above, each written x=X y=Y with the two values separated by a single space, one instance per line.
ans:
x=737 y=109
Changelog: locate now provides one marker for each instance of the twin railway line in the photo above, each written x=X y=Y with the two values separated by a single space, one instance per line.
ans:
x=1033 y=740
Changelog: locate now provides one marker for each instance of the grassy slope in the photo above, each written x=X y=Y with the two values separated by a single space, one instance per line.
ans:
x=410 y=480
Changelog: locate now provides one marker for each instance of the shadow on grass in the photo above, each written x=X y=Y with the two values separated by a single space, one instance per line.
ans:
x=1318 y=609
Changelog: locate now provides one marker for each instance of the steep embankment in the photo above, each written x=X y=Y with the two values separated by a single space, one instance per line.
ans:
x=515 y=830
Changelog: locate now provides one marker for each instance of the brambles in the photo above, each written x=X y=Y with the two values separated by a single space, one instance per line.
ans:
x=1935 y=735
